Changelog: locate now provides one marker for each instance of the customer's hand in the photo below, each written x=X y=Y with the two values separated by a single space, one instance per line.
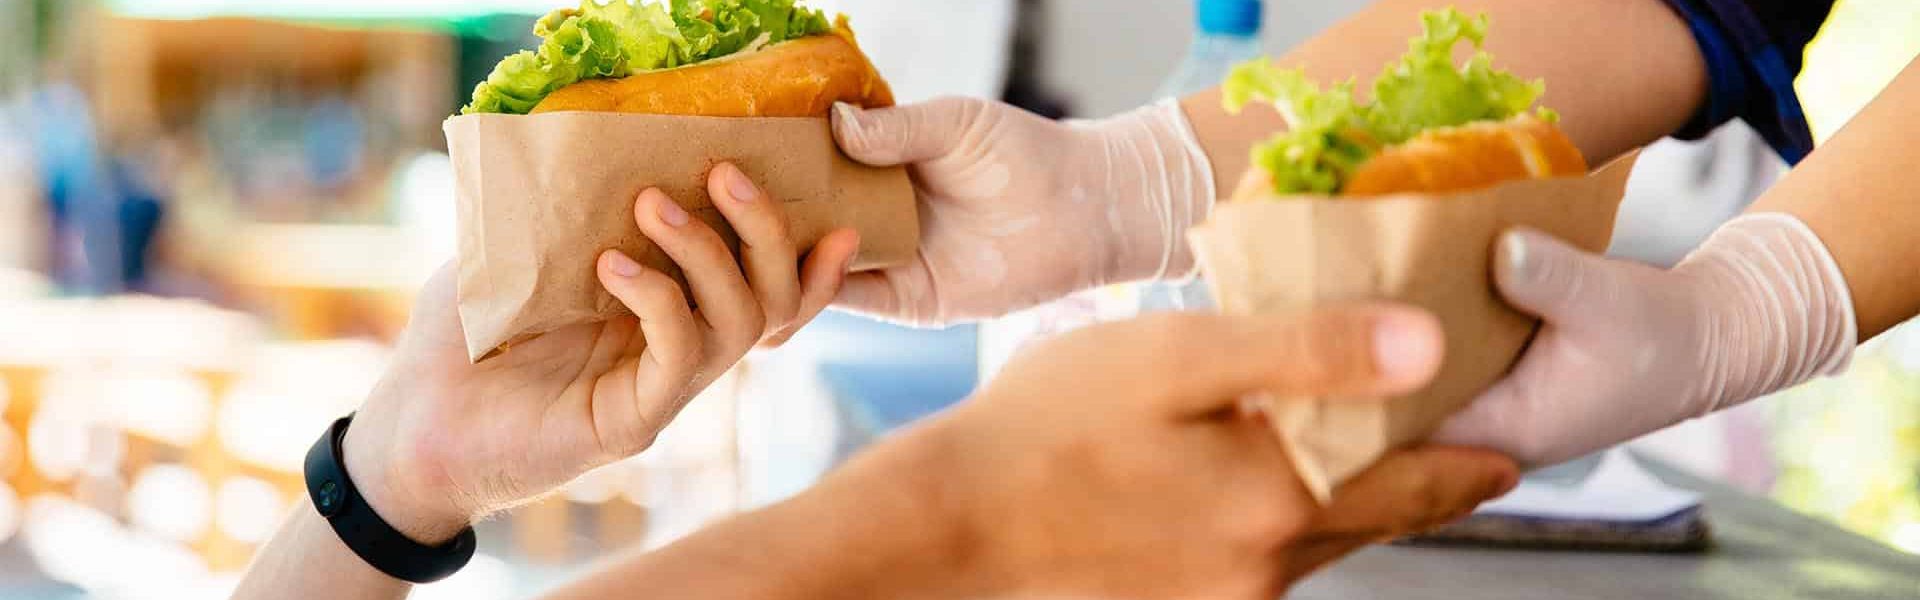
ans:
x=1018 y=210
x=1120 y=462
x=1628 y=349
x=443 y=441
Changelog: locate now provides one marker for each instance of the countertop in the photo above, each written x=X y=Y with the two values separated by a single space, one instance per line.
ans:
x=1761 y=551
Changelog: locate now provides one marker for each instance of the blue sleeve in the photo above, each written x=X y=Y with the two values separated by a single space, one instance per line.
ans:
x=1753 y=51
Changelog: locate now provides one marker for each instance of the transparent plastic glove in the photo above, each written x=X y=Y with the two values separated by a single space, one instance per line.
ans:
x=1017 y=210
x=1628 y=349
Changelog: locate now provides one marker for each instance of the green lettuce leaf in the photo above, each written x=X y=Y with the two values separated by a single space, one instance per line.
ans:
x=1330 y=134
x=1321 y=145
x=623 y=37
x=1426 y=90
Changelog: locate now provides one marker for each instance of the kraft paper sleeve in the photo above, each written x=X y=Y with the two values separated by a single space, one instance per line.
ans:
x=1287 y=254
x=541 y=196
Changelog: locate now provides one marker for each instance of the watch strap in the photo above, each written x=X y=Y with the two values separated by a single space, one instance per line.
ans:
x=362 y=530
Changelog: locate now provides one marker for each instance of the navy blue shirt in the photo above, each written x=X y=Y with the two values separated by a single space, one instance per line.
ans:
x=1753 y=50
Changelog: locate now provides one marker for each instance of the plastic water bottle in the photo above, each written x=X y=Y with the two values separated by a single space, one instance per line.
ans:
x=1228 y=34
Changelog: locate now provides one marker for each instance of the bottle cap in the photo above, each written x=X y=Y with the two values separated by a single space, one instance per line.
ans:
x=1229 y=17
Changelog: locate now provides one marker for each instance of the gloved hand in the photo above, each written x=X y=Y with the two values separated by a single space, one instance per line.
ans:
x=1018 y=210
x=1628 y=349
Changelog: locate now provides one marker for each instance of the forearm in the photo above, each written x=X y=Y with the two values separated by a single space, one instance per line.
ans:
x=305 y=559
x=1622 y=73
x=875 y=529
x=809 y=547
x=1856 y=193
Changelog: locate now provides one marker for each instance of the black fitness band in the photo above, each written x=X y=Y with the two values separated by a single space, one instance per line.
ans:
x=378 y=543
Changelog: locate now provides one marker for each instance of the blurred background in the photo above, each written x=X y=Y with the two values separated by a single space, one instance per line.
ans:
x=213 y=214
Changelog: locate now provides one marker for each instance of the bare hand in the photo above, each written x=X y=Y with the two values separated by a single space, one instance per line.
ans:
x=1118 y=461
x=442 y=441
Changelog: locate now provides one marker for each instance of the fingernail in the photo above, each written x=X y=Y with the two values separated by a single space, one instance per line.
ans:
x=1513 y=254
x=742 y=188
x=670 y=211
x=846 y=114
x=622 y=265
x=847 y=267
x=1403 y=346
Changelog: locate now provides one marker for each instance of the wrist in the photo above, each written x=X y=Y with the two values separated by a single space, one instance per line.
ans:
x=901 y=530
x=1777 y=310
x=879 y=527
x=388 y=479
x=1158 y=184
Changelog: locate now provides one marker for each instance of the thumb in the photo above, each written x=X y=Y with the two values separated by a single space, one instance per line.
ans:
x=897 y=296
x=870 y=294
x=1407 y=492
x=435 y=319
x=911 y=133
x=1417 y=489
x=1498 y=419
x=1548 y=278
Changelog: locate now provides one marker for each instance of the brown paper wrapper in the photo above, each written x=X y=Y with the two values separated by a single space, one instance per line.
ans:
x=541 y=196
x=1279 y=255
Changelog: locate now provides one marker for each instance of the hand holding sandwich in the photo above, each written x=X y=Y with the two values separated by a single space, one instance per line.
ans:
x=1111 y=462
x=1774 y=298
x=1627 y=349
x=628 y=94
x=1018 y=210
x=442 y=441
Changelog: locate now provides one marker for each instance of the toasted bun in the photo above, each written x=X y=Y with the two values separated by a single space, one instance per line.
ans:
x=796 y=78
x=1469 y=157
x=1455 y=159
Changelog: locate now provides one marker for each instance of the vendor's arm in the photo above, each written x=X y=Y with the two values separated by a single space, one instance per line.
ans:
x=1778 y=296
x=1622 y=73
x=1857 y=193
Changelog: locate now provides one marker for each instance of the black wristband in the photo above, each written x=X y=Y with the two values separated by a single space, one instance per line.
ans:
x=377 y=542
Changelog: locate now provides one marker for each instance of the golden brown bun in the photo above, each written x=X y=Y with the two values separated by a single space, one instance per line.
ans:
x=1456 y=159
x=796 y=78
x=1469 y=157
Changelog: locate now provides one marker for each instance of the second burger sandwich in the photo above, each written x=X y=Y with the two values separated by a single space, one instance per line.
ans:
x=1398 y=197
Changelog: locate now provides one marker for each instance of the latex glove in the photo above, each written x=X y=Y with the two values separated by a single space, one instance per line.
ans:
x=1627 y=349
x=1017 y=210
